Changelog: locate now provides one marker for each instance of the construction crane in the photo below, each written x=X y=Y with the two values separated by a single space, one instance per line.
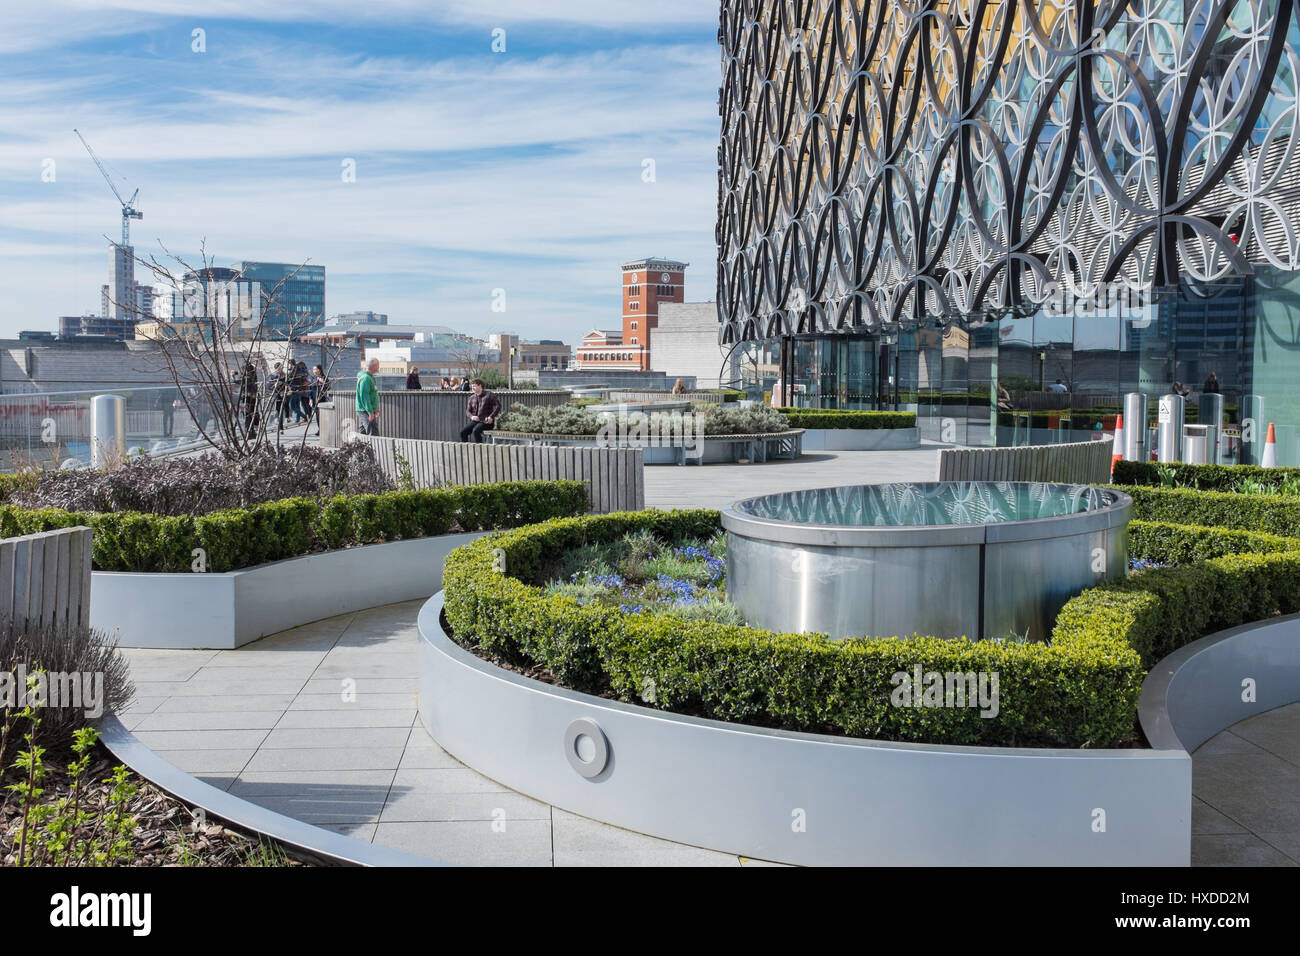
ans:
x=129 y=211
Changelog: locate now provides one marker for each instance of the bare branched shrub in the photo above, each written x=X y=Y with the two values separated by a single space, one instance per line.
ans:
x=80 y=651
x=190 y=486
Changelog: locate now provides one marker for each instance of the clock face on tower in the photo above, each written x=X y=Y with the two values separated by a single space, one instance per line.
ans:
x=665 y=277
x=633 y=277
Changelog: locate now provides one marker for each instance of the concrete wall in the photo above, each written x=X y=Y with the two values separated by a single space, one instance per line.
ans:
x=616 y=378
x=685 y=343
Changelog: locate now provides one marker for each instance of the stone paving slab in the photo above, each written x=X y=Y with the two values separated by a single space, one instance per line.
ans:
x=359 y=763
x=1246 y=793
x=716 y=486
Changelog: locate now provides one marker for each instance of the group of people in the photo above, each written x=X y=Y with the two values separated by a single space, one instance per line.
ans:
x=290 y=389
x=481 y=410
x=413 y=383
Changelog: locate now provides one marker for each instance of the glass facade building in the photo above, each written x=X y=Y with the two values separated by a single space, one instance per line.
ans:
x=296 y=303
x=1006 y=216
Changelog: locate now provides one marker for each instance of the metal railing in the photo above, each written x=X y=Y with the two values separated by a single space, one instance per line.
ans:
x=58 y=429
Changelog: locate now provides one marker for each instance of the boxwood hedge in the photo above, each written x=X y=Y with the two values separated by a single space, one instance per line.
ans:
x=1272 y=514
x=833 y=418
x=243 y=537
x=1080 y=690
x=1201 y=477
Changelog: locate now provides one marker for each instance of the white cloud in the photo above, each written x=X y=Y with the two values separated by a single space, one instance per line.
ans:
x=472 y=173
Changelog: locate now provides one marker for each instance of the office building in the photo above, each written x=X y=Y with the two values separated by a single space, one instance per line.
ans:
x=1010 y=249
x=293 y=295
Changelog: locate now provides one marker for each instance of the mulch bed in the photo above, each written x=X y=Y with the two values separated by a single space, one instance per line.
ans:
x=168 y=832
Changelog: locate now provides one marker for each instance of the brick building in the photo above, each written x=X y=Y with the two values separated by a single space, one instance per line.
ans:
x=646 y=283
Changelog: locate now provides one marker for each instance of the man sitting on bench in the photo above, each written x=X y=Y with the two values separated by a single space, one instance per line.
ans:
x=482 y=410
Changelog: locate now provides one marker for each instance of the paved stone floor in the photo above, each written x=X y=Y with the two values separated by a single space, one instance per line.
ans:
x=271 y=723
x=714 y=486
x=1246 y=793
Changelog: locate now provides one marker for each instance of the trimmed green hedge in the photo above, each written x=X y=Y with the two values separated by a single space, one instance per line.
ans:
x=1167 y=543
x=1202 y=477
x=1271 y=514
x=834 y=418
x=1079 y=691
x=244 y=537
x=1159 y=611
x=25 y=481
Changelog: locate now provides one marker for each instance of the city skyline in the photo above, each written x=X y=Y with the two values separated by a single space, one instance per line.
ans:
x=475 y=170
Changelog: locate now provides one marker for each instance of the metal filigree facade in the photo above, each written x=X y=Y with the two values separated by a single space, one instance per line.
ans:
x=884 y=164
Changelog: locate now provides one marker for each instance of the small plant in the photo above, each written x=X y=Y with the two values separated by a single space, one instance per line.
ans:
x=1168 y=477
x=31 y=765
x=405 y=476
x=1252 y=486
x=264 y=854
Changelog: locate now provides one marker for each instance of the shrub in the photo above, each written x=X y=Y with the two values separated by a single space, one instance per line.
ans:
x=757 y=420
x=63 y=650
x=831 y=418
x=568 y=420
x=550 y=420
x=1270 y=514
x=271 y=531
x=1167 y=543
x=1157 y=612
x=1202 y=477
x=1082 y=690
x=199 y=485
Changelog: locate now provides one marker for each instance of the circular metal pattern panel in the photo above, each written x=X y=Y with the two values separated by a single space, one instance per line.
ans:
x=955 y=158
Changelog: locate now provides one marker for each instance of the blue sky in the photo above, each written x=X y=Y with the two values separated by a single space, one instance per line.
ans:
x=475 y=170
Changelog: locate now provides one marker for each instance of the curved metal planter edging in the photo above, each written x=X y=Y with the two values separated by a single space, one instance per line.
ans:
x=323 y=845
x=801 y=798
x=226 y=610
x=1207 y=686
x=861 y=439
x=708 y=450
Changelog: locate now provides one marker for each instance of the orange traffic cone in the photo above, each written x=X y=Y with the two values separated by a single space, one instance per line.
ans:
x=1270 y=449
x=1117 y=452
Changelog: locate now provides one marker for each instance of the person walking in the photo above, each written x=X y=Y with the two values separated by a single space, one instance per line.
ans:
x=299 y=388
x=368 y=399
x=248 y=400
x=166 y=404
x=482 y=410
x=275 y=386
x=320 y=392
x=413 y=380
x=465 y=385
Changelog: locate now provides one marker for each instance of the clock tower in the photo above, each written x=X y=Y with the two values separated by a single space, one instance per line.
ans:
x=646 y=283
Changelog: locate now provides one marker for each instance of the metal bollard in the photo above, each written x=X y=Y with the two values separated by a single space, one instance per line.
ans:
x=1135 y=427
x=1169 y=435
x=107 y=430
x=1210 y=413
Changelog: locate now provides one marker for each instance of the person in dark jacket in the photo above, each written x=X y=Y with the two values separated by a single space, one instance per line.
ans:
x=482 y=410
x=299 y=392
x=320 y=392
x=413 y=380
x=248 y=397
x=276 y=387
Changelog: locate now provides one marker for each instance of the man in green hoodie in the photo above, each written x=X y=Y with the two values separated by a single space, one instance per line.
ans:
x=368 y=399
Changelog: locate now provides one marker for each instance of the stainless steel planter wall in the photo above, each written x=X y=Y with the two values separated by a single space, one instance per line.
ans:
x=873 y=560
